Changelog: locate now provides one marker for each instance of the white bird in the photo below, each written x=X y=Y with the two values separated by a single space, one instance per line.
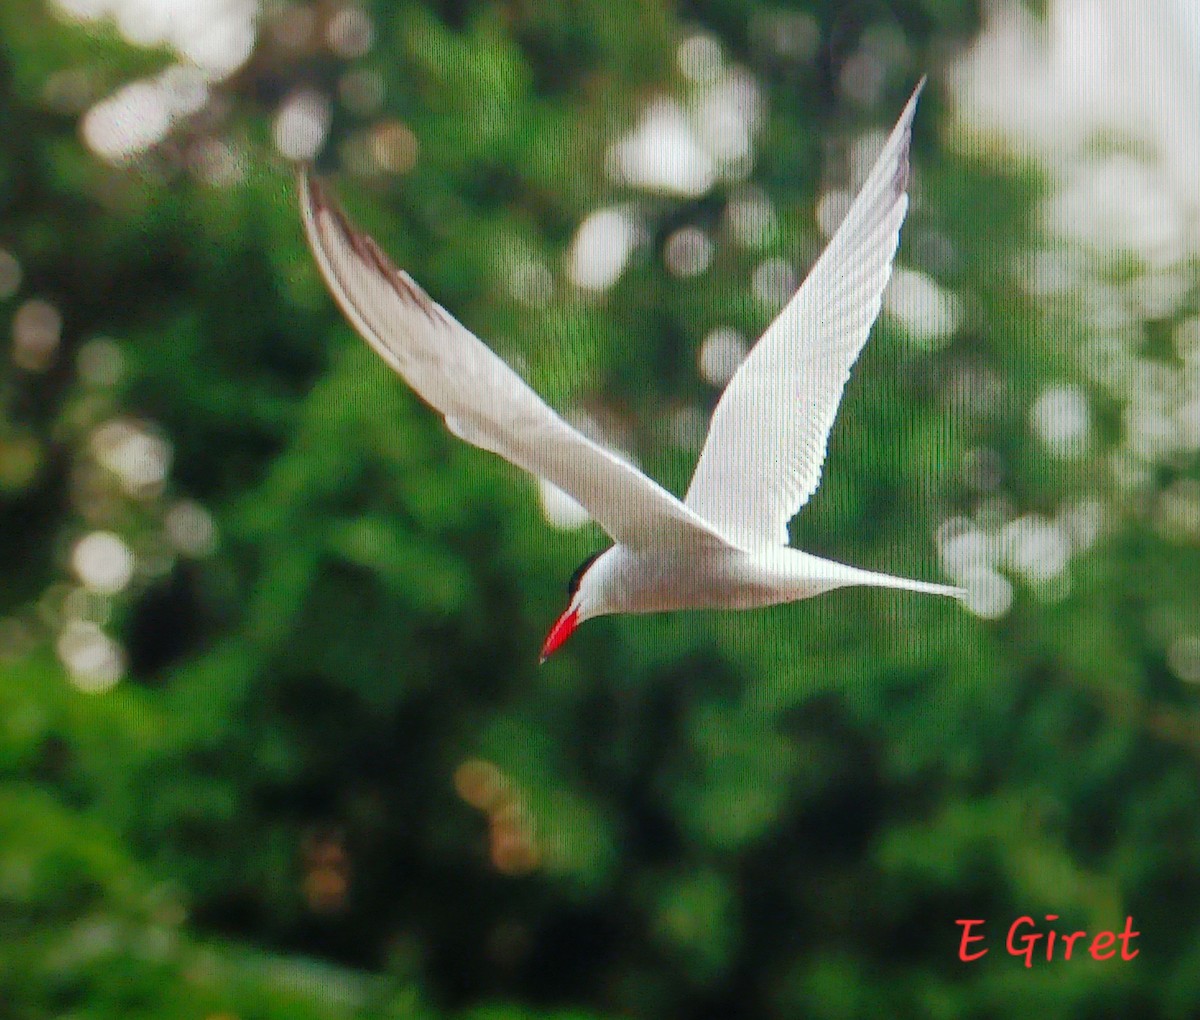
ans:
x=725 y=545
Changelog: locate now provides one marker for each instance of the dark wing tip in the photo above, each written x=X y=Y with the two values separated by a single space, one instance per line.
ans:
x=901 y=178
x=325 y=209
x=309 y=187
x=900 y=181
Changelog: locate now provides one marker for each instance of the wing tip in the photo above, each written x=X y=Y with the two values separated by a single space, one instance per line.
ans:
x=310 y=190
x=316 y=204
x=910 y=108
x=900 y=179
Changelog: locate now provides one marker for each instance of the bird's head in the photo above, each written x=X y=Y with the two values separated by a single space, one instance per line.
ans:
x=584 y=591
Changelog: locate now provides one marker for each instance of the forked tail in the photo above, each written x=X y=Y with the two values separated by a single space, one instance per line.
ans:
x=815 y=574
x=908 y=584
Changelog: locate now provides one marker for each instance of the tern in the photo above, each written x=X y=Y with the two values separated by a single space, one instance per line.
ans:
x=725 y=544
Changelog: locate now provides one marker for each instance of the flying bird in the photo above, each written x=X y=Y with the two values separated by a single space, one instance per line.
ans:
x=725 y=544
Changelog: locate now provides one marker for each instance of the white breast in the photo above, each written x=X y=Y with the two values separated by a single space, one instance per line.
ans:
x=654 y=582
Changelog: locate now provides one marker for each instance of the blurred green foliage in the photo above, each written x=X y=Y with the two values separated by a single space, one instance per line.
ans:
x=332 y=780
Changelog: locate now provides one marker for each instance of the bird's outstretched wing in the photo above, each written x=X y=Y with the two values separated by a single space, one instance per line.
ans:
x=762 y=459
x=483 y=400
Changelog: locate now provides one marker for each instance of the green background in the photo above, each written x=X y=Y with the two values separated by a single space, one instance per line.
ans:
x=332 y=780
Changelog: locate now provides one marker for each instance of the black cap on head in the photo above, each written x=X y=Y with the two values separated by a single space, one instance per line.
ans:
x=577 y=577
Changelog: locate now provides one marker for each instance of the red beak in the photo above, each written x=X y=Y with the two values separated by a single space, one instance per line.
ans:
x=560 y=632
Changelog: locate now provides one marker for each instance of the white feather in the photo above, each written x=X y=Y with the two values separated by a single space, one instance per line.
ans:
x=766 y=445
x=724 y=546
x=481 y=399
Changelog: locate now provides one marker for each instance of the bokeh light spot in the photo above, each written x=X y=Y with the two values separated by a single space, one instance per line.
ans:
x=100 y=362
x=601 y=249
x=663 y=154
x=560 y=510
x=775 y=280
x=929 y=313
x=721 y=352
x=190 y=529
x=93 y=660
x=350 y=32
x=1062 y=419
x=688 y=251
x=10 y=274
x=301 y=124
x=36 y=332
x=1183 y=656
x=700 y=58
x=394 y=147
x=103 y=562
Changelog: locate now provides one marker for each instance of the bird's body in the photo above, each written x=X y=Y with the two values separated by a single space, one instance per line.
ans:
x=725 y=544
x=657 y=580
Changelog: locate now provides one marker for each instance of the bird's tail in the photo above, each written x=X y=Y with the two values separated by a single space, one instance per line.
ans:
x=874 y=580
x=830 y=574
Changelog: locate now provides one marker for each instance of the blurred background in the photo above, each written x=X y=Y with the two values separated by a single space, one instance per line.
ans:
x=273 y=737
